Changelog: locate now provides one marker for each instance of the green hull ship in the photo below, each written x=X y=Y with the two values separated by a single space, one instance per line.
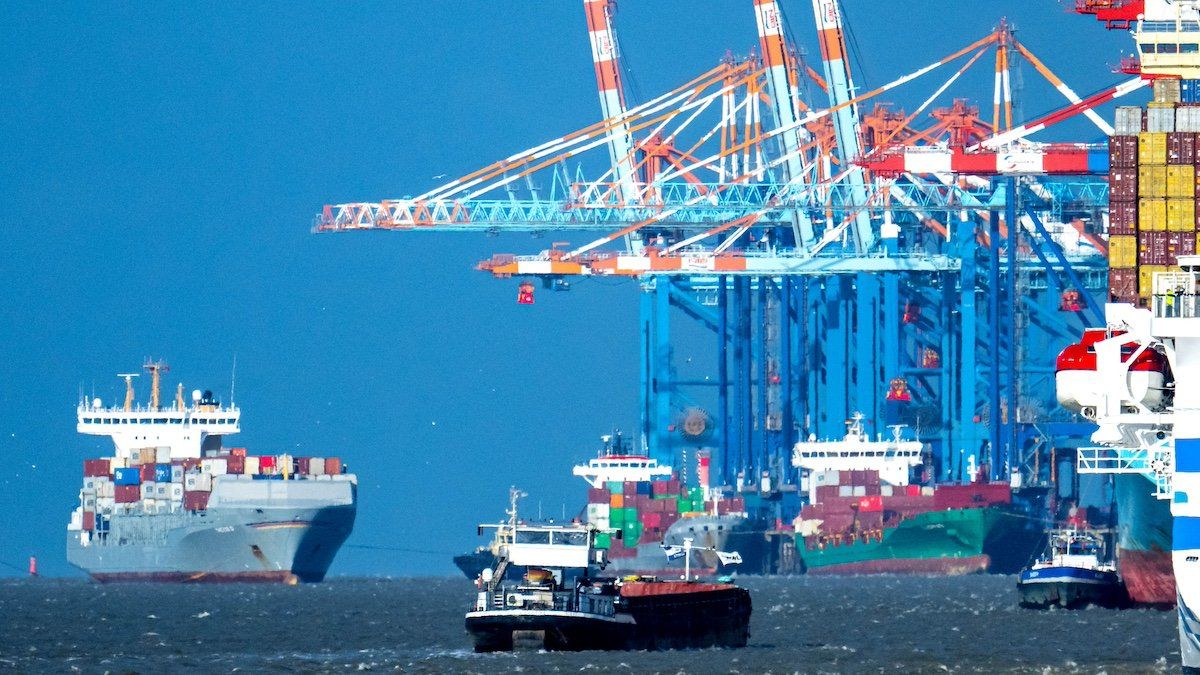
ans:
x=950 y=542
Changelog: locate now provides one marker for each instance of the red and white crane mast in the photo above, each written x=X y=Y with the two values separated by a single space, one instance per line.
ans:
x=612 y=96
x=783 y=98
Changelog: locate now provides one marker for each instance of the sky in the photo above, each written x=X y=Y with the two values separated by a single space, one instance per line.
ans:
x=160 y=168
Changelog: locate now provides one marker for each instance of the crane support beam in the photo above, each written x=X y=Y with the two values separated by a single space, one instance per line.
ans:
x=612 y=95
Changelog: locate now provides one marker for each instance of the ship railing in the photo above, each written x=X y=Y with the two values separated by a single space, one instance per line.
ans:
x=565 y=601
x=1155 y=463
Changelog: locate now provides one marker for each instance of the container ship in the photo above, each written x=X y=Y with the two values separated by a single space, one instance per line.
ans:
x=865 y=515
x=171 y=504
x=639 y=504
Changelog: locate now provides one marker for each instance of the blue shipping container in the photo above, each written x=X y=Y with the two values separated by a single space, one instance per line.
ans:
x=1189 y=91
x=162 y=473
x=127 y=476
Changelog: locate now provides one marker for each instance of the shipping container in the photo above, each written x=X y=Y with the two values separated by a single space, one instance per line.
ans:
x=127 y=493
x=617 y=500
x=1181 y=149
x=1146 y=278
x=1181 y=181
x=1181 y=215
x=1180 y=243
x=1166 y=90
x=1122 y=152
x=1122 y=218
x=598 y=496
x=603 y=540
x=127 y=476
x=267 y=463
x=1122 y=285
x=1160 y=118
x=177 y=473
x=195 y=501
x=1129 y=120
x=333 y=466
x=235 y=464
x=162 y=473
x=237 y=452
x=251 y=465
x=1152 y=148
x=1152 y=215
x=216 y=466
x=1187 y=119
x=197 y=482
x=96 y=467
x=1152 y=181
x=89 y=521
x=1152 y=249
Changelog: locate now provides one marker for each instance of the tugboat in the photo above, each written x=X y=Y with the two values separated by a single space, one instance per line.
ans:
x=561 y=603
x=1075 y=572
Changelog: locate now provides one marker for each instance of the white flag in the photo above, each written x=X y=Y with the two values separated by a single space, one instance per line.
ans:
x=673 y=552
x=733 y=558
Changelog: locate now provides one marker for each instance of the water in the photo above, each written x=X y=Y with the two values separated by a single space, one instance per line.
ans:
x=828 y=625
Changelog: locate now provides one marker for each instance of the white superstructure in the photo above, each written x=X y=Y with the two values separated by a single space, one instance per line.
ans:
x=187 y=431
x=893 y=457
x=1168 y=38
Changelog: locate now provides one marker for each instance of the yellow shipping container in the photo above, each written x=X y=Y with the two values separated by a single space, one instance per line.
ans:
x=1146 y=278
x=1152 y=148
x=1152 y=215
x=1181 y=214
x=1181 y=181
x=1152 y=181
x=1122 y=251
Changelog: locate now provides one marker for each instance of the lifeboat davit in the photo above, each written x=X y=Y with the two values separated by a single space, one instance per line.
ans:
x=1076 y=384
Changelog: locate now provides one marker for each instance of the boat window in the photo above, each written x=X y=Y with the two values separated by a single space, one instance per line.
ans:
x=1189 y=48
x=144 y=420
x=1158 y=27
x=160 y=420
x=532 y=537
x=1168 y=48
x=570 y=538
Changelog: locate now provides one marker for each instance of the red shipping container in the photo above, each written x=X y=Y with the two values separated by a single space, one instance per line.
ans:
x=235 y=464
x=912 y=490
x=302 y=465
x=266 y=462
x=826 y=492
x=1123 y=184
x=1180 y=243
x=1123 y=151
x=1181 y=148
x=1122 y=218
x=872 y=504
x=189 y=464
x=1122 y=285
x=333 y=466
x=871 y=477
x=127 y=494
x=651 y=518
x=89 y=520
x=1152 y=248
x=147 y=473
x=598 y=496
x=873 y=490
x=195 y=501
x=96 y=467
x=237 y=452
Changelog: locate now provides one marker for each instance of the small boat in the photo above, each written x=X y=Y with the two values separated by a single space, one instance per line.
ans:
x=1076 y=571
x=563 y=603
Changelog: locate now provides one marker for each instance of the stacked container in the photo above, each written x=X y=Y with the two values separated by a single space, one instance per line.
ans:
x=643 y=511
x=1152 y=190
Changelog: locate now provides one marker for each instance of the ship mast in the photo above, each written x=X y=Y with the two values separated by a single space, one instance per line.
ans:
x=156 y=369
x=128 y=389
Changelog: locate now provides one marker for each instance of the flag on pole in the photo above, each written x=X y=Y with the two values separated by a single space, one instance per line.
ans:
x=673 y=552
x=732 y=558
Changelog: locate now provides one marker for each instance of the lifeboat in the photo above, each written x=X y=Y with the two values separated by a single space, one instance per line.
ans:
x=1078 y=389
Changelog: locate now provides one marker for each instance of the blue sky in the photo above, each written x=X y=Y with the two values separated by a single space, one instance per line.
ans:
x=160 y=166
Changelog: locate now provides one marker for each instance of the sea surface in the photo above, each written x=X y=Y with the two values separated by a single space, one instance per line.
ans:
x=808 y=624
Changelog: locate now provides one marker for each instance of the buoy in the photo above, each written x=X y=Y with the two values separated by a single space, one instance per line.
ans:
x=33 y=566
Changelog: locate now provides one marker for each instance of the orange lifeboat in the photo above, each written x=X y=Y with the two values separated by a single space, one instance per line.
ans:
x=1075 y=379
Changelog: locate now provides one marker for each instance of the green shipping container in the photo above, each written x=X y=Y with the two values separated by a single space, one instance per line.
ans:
x=603 y=541
x=616 y=517
x=631 y=515
x=683 y=504
x=696 y=493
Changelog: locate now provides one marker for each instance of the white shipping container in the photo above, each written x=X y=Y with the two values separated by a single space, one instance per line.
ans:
x=316 y=465
x=162 y=490
x=119 y=463
x=252 y=466
x=106 y=489
x=926 y=492
x=198 y=482
x=860 y=491
x=89 y=503
x=1187 y=119
x=148 y=505
x=217 y=466
x=148 y=490
x=1128 y=121
x=104 y=504
x=886 y=490
x=177 y=473
x=602 y=523
x=845 y=490
x=135 y=456
x=1160 y=120
x=176 y=491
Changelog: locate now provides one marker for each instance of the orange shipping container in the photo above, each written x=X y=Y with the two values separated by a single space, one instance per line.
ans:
x=617 y=501
x=333 y=465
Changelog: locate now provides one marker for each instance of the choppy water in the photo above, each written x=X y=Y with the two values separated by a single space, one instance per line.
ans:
x=828 y=625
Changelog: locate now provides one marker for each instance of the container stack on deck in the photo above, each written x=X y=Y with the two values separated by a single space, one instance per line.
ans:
x=643 y=511
x=150 y=482
x=1153 y=188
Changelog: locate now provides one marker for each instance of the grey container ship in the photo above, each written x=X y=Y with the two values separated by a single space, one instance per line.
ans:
x=172 y=504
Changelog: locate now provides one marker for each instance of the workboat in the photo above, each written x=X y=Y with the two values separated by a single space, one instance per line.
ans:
x=565 y=602
x=1076 y=570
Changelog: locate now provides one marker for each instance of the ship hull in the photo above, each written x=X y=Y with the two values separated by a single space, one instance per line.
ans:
x=1070 y=588
x=944 y=543
x=238 y=539
x=1144 y=542
x=686 y=616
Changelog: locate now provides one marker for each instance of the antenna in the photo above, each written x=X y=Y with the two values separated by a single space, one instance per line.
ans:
x=128 y=389
x=232 y=381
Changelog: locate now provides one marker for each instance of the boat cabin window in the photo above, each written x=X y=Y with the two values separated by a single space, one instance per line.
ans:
x=570 y=538
x=532 y=537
